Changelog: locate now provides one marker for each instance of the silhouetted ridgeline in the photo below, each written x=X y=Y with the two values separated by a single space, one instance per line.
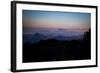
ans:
x=57 y=50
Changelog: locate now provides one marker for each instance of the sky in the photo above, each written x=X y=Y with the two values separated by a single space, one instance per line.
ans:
x=56 y=20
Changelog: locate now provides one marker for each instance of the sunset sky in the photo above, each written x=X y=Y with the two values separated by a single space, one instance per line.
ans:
x=56 y=20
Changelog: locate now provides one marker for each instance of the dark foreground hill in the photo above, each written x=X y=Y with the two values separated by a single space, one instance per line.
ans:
x=56 y=50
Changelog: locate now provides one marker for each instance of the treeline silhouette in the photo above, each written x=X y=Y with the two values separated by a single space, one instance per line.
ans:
x=54 y=50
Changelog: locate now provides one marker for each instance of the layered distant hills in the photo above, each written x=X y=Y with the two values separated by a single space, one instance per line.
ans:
x=36 y=37
x=40 y=48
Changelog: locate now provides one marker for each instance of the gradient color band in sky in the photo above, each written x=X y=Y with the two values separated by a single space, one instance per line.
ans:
x=56 y=19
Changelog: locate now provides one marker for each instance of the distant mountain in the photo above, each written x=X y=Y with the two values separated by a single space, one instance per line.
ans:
x=34 y=38
x=47 y=49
